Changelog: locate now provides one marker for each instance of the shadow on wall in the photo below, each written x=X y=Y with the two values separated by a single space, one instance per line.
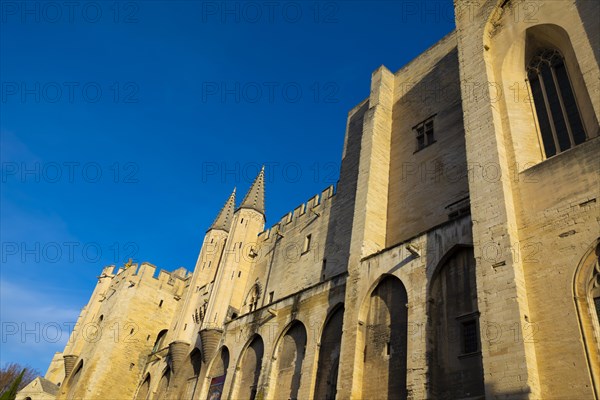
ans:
x=588 y=12
x=341 y=217
x=437 y=172
x=329 y=355
x=508 y=395
x=336 y=256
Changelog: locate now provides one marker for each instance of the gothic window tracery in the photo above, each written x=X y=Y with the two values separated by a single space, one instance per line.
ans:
x=253 y=297
x=554 y=101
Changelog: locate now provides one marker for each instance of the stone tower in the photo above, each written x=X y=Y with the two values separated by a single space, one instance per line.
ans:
x=187 y=322
x=238 y=257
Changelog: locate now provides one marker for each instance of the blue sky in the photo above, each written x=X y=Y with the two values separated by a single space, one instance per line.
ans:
x=125 y=126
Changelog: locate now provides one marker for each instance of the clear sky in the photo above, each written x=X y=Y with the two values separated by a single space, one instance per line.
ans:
x=126 y=125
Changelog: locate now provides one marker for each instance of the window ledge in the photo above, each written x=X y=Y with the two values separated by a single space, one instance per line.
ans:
x=551 y=160
x=424 y=147
x=469 y=355
x=471 y=315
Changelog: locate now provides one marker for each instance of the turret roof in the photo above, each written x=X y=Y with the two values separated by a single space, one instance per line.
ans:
x=223 y=220
x=255 y=198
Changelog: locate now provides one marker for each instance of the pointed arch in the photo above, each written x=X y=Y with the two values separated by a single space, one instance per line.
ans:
x=217 y=373
x=144 y=389
x=456 y=365
x=555 y=103
x=289 y=359
x=76 y=373
x=383 y=331
x=163 y=384
x=249 y=369
x=253 y=296
x=329 y=354
x=74 y=379
x=444 y=259
x=586 y=291
x=191 y=371
x=546 y=102
x=160 y=339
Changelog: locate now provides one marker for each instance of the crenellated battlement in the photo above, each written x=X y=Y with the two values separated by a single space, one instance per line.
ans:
x=146 y=274
x=300 y=213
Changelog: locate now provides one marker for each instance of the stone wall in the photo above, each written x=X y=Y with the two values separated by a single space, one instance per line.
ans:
x=120 y=336
x=356 y=293
x=533 y=218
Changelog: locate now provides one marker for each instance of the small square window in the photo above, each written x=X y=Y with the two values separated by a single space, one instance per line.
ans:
x=424 y=133
x=469 y=336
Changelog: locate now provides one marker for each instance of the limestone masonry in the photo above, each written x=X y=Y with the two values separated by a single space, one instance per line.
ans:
x=457 y=257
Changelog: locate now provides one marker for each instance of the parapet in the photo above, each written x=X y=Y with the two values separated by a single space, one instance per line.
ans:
x=312 y=208
x=148 y=270
x=145 y=274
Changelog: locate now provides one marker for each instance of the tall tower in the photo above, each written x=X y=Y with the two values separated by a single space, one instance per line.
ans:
x=187 y=323
x=228 y=291
x=86 y=318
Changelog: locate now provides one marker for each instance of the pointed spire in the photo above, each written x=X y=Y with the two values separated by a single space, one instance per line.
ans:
x=223 y=220
x=255 y=198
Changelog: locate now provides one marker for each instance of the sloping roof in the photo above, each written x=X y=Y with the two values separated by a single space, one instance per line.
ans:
x=255 y=198
x=48 y=386
x=40 y=385
x=223 y=220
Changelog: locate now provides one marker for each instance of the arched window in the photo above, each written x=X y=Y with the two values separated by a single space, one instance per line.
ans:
x=160 y=338
x=253 y=297
x=587 y=300
x=218 y=373
x=290 y=358
x=163 y=385
x=386 y=340
x=555 y=104
x=191 y=373
x=144 y=389
x=329 y=356
x=456 y=365
x=249 y=368
x=74 y=380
